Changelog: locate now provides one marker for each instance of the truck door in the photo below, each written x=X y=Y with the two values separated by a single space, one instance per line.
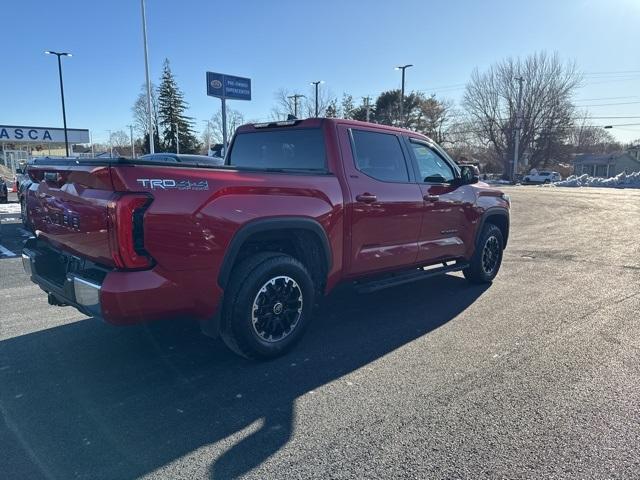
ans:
x=446 y=204
x=385 y=204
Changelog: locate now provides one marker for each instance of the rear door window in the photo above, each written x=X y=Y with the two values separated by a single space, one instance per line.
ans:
x=286 y=149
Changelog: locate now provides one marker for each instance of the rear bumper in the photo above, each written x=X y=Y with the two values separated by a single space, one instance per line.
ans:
x=76 y=290
x=121 y=297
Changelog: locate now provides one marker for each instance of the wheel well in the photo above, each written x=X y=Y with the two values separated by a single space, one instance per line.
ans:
x=302 y=244
x=502 y=222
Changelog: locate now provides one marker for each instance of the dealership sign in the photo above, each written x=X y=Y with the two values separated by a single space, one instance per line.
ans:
x=18 y=134
x=228 y=86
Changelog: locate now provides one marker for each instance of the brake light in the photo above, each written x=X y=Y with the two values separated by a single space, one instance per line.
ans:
x=126 y=231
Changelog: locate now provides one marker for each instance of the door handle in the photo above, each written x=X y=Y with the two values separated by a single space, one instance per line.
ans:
x=431 y=198
x=366 y=198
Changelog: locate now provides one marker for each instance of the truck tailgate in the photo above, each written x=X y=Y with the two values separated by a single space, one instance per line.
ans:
x=69 y=208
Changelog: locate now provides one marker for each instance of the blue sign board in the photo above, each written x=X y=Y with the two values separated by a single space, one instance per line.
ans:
x=228 y=86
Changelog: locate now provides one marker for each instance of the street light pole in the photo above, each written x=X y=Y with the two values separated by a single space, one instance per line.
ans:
x=146 y=71
x=177 y=140
x=403 y=68
x=316 y=85
x=64 y=113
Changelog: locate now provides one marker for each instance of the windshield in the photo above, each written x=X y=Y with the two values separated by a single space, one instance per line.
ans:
x=287 y=149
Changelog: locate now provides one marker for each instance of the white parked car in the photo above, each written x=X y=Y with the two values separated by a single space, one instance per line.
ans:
x=542 y=177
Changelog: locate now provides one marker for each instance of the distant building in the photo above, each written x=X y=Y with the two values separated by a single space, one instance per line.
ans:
x=608 y=165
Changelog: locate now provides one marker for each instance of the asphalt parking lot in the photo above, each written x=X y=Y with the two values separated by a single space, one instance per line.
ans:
x=536 y=376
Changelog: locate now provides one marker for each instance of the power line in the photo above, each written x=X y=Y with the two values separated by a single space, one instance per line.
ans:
x=603 y=98
x=607 y=104
x=612 y=72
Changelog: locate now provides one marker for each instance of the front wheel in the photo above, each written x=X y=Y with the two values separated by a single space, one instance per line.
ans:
x=268 y=305
x=487 y=258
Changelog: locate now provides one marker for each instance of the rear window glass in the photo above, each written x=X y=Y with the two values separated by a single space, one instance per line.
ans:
x=294 y=149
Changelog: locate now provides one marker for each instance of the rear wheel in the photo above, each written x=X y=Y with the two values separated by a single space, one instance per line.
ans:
x=268 y=305
x=487 y=258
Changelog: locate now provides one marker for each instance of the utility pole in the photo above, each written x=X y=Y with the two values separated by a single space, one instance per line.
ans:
x=133 y=150
x=177 y=140
x=295 y=98
x=146 y=71
x=367 y=99
x=516 y=152
x=316 y=85
x=403 y=68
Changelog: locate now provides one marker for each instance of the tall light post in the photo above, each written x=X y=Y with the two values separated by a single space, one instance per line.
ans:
x=146 y=71
x=316 y=83
x=64 y=113
x=403 y=68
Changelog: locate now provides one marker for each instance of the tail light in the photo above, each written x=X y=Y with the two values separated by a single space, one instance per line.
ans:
x=126 y=231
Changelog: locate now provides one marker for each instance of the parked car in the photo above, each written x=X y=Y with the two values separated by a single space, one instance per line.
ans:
x=248 y=247
x=187 y=159
x=542 y=177
x=23 y=182
x=4 y=191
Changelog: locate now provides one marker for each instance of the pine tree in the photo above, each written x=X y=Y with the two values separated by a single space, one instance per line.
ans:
x=171 y=110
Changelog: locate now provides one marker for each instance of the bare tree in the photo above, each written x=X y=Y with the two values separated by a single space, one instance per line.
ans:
x=141 y=112
x=588 y=138
x=120 y=138
x=141 y=116
x=491 y=101
x=234 y=120
x=309 y=102
x=284 y=105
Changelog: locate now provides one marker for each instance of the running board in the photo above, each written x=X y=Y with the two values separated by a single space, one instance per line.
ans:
x=407 y=277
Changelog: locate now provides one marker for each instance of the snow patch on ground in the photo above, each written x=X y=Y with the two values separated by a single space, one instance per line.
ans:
x=622 y=180
x=10 y=208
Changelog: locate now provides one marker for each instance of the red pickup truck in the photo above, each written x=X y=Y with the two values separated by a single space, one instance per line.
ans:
x=249 y=247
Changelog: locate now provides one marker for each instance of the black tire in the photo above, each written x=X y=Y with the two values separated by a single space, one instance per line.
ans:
x=267 y=306
x=486 y=260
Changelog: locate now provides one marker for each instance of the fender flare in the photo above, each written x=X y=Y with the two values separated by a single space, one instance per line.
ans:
x=265 y=225
x=490 y=212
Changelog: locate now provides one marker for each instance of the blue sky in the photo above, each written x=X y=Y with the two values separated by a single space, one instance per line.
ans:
x=352 y=45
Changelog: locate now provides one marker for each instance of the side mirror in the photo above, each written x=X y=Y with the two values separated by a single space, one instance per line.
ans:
x=469 y=174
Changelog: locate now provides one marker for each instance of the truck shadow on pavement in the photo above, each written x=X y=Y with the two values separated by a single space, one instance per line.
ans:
x=88 y=400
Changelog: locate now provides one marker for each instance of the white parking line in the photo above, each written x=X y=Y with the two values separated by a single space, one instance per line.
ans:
x=10 y=208
x=6 y=252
